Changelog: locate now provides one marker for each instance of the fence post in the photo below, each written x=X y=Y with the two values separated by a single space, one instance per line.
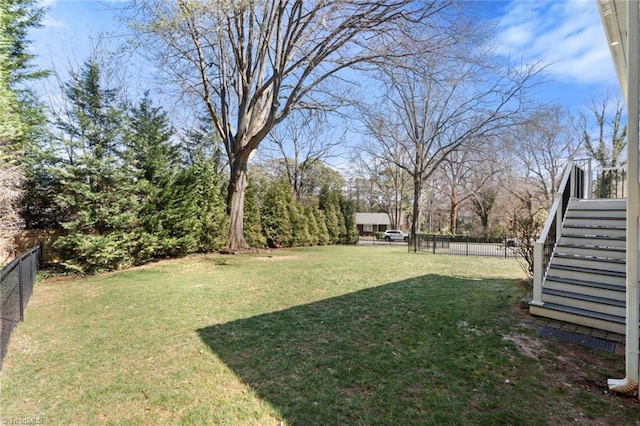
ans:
x=20 y=290
x=504 y=239
x=434 y=243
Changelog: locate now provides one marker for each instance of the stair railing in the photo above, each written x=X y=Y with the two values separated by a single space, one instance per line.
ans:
x=575 y=183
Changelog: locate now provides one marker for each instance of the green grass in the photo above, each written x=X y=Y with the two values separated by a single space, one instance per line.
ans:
x=330 y=335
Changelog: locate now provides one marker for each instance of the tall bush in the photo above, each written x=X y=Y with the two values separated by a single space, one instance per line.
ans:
x=276 y=218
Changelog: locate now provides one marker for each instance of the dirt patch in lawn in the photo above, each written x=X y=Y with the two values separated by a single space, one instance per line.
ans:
x=527 y=345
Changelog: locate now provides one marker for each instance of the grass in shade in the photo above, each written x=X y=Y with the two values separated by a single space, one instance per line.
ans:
x=313 y=336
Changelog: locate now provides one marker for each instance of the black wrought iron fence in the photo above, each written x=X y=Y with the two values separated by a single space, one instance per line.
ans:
x=16 y=286
x=466 y=245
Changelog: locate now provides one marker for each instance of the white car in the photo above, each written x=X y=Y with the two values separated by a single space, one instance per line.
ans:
x=395 y=235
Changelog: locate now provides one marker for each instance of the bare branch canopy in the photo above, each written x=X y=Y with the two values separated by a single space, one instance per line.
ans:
x=251 y=63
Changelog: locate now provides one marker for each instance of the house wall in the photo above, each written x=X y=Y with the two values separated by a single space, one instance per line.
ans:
x=375 y=228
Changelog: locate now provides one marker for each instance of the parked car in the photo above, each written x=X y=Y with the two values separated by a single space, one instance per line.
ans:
x=395 y=235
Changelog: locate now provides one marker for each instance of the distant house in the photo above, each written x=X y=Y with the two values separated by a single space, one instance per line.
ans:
x=370 y=223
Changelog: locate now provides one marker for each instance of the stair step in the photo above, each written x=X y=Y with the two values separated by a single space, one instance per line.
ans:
x=590 y=288
x=578 y=319
x=586 y=313
x=595 y=231
x=603 y=243
x=585 y=297
x=587 y=283
x=587 y=274
x=560 y=255
x=609 y=265
x=601 y=220
x=587 y=291
x=581 y=240
x=598 y=204
x=575 y=213
x=578 y=301
x=617 y=253
x=572 y=234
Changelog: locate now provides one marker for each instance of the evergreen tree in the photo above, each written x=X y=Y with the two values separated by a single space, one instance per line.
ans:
x=323 y=232
x=151 y=160
x=312 y=225
x=299 y=226
x=252 y=222
x=193 y=218
x=348 y=211
x=17 y=17
x=98 y=193
x=276 y=221
x=21 y=117
x=202 y=142
x=329 y=203
x=39 y=206
x=21 y=114
x=150 y=153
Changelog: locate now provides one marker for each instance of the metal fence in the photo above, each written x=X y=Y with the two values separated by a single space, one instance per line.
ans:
x=465 y=245
x=372 y=240
x=16 y=285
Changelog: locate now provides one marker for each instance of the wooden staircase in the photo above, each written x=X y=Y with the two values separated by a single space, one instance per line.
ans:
x=585 y=280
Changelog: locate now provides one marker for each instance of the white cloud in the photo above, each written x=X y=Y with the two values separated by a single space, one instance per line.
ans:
x=52 y=23
x=49 y=22
x=567 y=34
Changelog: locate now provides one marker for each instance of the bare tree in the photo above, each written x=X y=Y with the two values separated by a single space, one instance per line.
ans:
x=299 y=146
x=543 y=144
x=466 y=175
x=253 y=63
x=440 y=101
x=390 y=184
x=605 y=141
x=610 y=134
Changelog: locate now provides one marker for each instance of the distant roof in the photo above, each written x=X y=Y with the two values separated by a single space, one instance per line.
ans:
x=372 y=219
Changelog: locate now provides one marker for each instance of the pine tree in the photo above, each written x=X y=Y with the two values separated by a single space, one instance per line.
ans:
x=21 y=114
x=151 y=160
x=323 y=232
x=329 y=203
x=312 y=225
x=98 y=193
x=276 y=220
x=193 y=219
x=299 y=226
x=150 y=153
x=20 y=117
x=252 y=223
x=348 y=211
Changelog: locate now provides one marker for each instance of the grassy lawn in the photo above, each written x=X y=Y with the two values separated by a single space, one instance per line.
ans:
x=326 y=336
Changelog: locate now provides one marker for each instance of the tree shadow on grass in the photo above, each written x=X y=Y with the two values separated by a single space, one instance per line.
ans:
x=423 y=350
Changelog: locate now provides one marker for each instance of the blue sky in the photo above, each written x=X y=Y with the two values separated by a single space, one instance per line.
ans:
x=567 y=34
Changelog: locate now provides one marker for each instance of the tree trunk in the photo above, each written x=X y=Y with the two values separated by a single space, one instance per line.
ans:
x=415 y=220
x=453 y=218
x=484 y=218
x=235 y=204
